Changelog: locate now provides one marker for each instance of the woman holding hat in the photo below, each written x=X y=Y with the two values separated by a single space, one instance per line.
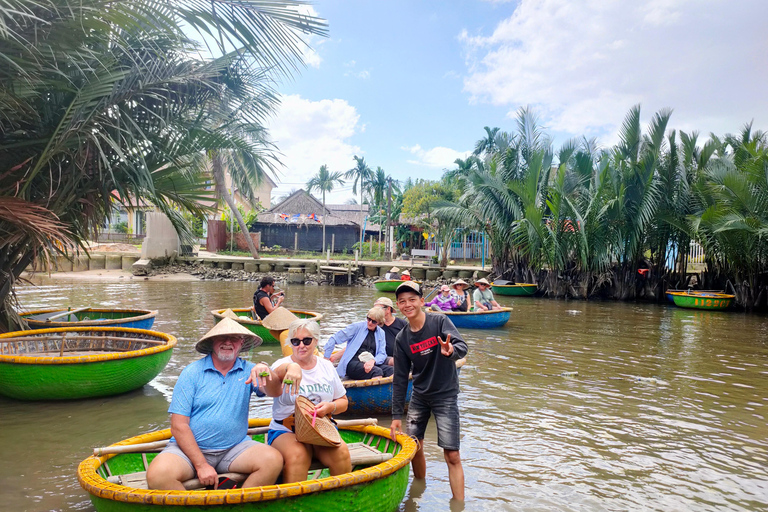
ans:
x=303 y=373
x=484 y=296
x=461 y=295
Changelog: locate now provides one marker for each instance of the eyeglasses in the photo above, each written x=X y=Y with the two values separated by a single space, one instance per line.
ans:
x=374 y=322
x=306 y=341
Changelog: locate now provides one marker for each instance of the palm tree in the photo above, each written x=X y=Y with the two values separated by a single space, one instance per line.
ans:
x=324 y=181
x=486 y=145
x=361 y=175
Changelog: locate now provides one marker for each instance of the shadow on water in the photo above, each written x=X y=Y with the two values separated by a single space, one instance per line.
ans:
x=571 y=406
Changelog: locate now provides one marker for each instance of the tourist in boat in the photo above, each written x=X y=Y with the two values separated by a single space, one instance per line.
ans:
x=484 y=296
x=405 y=276
x=303 y=373
x=393 y=274
x=461 y=295
x=209 y=417
x=443 y=301
x=391 y=326
x=365 y=354
x=428 y=347
x=266 y=299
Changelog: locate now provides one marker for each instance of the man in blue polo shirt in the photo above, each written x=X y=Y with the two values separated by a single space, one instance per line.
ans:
x=209 y=417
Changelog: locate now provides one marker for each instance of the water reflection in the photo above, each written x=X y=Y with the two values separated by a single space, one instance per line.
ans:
x=571 y=406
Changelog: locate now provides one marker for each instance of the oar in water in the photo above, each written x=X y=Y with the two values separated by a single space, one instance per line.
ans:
x=59 y=315
x=430 y=293
x=158 y=445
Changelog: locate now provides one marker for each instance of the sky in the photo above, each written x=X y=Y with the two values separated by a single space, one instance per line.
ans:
x=409 y=85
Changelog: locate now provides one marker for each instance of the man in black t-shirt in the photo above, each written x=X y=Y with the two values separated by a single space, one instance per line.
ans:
x=262 y=299
x=392 y=326
x=428 y=347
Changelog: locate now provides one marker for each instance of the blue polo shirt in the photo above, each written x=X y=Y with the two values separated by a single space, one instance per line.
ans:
x=216 y=404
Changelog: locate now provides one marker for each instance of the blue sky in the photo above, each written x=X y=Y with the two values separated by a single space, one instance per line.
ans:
x=409 y=85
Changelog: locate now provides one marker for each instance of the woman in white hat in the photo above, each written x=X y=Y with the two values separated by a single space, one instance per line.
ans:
x=461 y=295
x=484 y=296
x=303 y=373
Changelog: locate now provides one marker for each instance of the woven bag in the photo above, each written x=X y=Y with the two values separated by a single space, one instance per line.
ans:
x=324 y=433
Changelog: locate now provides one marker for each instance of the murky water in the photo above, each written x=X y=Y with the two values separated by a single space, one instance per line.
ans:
x=667 y=410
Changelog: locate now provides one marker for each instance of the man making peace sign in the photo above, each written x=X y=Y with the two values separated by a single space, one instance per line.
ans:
x=429 y=346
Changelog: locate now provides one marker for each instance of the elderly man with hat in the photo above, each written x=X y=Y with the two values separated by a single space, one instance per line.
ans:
x=484 y=296
x=393 y=274
x=391 y=326
x=461 y=295
x=209 y=417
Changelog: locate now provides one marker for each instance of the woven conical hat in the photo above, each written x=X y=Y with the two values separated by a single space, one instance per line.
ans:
x=324 y=433
x=227 y=327
x=228 y=313
x=279 y=319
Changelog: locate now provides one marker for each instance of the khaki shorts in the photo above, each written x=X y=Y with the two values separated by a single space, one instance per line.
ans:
x=218 y=459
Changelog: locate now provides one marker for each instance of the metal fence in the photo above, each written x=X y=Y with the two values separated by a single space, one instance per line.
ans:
x=696 y=255
x=470 y=246
x=120 y=238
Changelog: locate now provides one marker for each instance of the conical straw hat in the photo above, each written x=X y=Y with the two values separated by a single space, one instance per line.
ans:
x=230 y=314
x=279 y=319
x=324 y=433
x=229 y=328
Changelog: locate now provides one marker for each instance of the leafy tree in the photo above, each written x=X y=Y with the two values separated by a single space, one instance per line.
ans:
x=361 y=175
x=324 y=181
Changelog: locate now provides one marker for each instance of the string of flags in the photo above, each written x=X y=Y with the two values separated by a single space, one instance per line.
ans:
x=297 y=216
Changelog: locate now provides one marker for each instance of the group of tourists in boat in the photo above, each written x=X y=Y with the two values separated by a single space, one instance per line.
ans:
x=456 y=297
x=209 y=406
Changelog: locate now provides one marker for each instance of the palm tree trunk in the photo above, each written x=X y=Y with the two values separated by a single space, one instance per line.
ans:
x=218 y=176
x=362 y=240
x=322 y=250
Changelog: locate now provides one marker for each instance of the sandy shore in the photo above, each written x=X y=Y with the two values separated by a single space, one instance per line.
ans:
x=111 y=275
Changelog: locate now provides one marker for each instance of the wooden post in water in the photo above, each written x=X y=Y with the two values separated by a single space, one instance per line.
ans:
x=296 y=242
x=349 y=273
x=333 y=242
x=355 y=257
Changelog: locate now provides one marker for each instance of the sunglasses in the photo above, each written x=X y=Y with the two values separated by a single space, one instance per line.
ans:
x=306 y=341
x=374 y=322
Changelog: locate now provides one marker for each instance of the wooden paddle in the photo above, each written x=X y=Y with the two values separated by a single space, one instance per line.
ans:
x=430 y=293
x=59 y=315
x=159 y=445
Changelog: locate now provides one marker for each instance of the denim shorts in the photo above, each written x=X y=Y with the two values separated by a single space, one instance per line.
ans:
x=446 y=411
x=218 y=459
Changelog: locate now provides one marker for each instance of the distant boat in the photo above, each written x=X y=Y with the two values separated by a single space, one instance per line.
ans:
x=670 y=297
x=478 y=319
x=91 y=317
x=519 y=289
x=66 y=363
x=389 y=285
x=245 y=319
x=702 y=300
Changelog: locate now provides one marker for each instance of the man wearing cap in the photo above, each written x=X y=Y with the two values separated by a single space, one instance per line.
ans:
x=391 y=326
x=365 y=352
x=484 y=296
x=262 y=299
x=393 y=274
x=460 y=295
x=209 y=417
x=428 y=347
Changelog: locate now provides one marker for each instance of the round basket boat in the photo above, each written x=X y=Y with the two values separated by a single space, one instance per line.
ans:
x=91 y=317
x=255 y=326
x=702 y=300
x=390 y=285
x=80 y=362
x=371 y=486
x=478 y=319
x=374 y=396
x=517 y=290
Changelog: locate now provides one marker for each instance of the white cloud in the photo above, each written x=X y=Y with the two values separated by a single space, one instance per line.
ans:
x=310 y=134
x=362 y=75
x=583 y=63
x=439 y=157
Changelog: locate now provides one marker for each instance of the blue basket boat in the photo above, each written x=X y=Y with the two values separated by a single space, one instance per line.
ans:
x=478 y=319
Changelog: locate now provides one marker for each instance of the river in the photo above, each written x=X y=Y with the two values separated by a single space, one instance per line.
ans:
x=571 y=406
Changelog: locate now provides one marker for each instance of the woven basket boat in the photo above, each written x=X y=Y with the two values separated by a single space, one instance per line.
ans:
x=518 y=290
x=670 y=293
x=390 y=285
x=478 y=319
x=255 y=326
x=80 y=362
x=373 y=488
x=702 y=300
x=92 y=317
x=373 y=397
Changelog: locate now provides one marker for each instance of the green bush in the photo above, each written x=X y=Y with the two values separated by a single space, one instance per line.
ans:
x=121 y=227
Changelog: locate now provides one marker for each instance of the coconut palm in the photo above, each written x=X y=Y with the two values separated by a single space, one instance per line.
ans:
x=324 y=181
x=360 y=175
x=486 y=145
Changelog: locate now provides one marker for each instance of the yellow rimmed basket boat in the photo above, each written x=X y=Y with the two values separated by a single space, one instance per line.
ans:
x=114 y=481
x=701 y=300
x=517 y=290
x=90 y=317
x=270 y=337
x=390 y=285
x=80 y=362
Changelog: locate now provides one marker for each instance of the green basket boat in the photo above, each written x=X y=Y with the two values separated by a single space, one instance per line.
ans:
x=245 y=319
x=520 y=289
x=389 y=285
x=80 y=362
x=91 y=317
x=702 y=300
x=373 y=487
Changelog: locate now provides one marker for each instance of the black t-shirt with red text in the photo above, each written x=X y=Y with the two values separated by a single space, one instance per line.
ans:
x=434 y=375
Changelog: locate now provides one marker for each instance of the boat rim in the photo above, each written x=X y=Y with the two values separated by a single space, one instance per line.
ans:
x=462 y=313
x=713 y=295
x=219 y=314
x=517 y=285
x=145 y=314
x=365 y=383
x=170 y=342
x=94 y=484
